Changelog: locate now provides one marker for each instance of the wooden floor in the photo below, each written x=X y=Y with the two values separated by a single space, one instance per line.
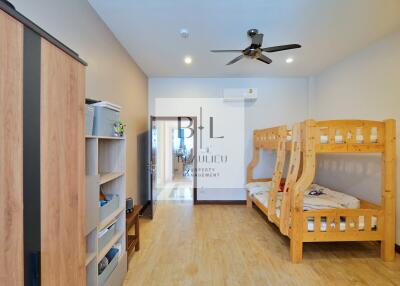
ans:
x=233 y=245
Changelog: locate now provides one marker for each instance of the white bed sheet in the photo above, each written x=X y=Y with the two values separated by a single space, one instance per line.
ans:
x=327 y=199
x=330 y=199
x=256 y=187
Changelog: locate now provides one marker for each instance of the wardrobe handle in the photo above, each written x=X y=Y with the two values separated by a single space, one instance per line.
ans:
x=35 y=264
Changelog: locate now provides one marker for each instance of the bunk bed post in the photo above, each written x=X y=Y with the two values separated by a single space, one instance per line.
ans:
x=250 y=169
x=388 y=190
x=278 y=170
x=249 y=203
x=308 y=136
x=293 y=170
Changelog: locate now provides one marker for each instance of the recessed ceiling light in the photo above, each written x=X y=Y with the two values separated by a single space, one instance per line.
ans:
x=289 y=60
x=187 y=60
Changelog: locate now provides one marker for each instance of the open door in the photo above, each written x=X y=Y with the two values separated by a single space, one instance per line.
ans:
x=155 y=164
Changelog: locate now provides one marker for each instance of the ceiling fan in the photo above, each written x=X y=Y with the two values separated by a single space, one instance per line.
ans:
x=255 y=50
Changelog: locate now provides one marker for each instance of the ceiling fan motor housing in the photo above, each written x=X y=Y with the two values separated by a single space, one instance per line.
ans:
x=252 y=32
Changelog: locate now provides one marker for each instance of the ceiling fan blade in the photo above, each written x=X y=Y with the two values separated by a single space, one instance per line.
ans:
x=257 y=39
x=226 y=51
x=281 y=48
x=264 y=59
x=235 y=60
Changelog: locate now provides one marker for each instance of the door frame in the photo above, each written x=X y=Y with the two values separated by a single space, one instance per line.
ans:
x=172 y=118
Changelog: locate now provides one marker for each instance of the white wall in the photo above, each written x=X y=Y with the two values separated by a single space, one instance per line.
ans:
x=364 y=86
x=280 y=101
x=112 y=75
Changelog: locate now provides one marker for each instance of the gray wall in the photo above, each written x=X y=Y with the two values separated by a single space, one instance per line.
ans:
x=112 y=75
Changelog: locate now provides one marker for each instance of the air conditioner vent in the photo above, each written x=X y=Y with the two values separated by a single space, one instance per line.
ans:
x=240 y=94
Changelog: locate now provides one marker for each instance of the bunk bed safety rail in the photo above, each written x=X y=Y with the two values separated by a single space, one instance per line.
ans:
x=350 y=136
x=343 y=225
x=267 y=139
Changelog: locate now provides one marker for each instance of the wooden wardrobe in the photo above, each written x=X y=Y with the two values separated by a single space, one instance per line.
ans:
x=42 y=168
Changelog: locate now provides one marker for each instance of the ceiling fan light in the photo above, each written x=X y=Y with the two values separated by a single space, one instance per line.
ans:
x=289 y=60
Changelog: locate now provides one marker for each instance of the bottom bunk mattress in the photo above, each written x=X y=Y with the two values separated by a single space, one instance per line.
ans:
x=258 y=187
x=317 y=198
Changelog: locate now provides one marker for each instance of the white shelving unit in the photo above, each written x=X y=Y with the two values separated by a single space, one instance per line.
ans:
x=105 y=172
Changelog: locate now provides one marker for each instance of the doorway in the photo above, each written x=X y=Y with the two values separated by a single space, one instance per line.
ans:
x=173 y=160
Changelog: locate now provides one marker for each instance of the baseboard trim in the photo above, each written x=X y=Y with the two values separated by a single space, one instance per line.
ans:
x=219 y=202
x=397 y=248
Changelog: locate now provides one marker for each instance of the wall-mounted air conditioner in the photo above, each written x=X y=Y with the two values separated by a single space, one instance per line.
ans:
x=240 y=94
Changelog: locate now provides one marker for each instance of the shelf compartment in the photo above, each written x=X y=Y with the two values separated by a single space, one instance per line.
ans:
x=102 y=252
x=91 y=160
x=103 y=276
x=109 y=208
x=90 y=257
x=92 y=202
x=91 y=273
x=107 y=177
x=106 y=237
x=118 y=275
x=111 y=156
x=91 y=246
x=105 y=222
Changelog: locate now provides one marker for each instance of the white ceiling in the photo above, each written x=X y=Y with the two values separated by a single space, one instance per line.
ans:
x=328 y=30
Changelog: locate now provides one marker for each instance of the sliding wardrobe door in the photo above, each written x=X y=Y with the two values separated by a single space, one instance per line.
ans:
x=11 y=173
x=62 y=168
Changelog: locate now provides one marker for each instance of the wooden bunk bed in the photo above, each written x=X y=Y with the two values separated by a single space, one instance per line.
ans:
x=369 y=222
